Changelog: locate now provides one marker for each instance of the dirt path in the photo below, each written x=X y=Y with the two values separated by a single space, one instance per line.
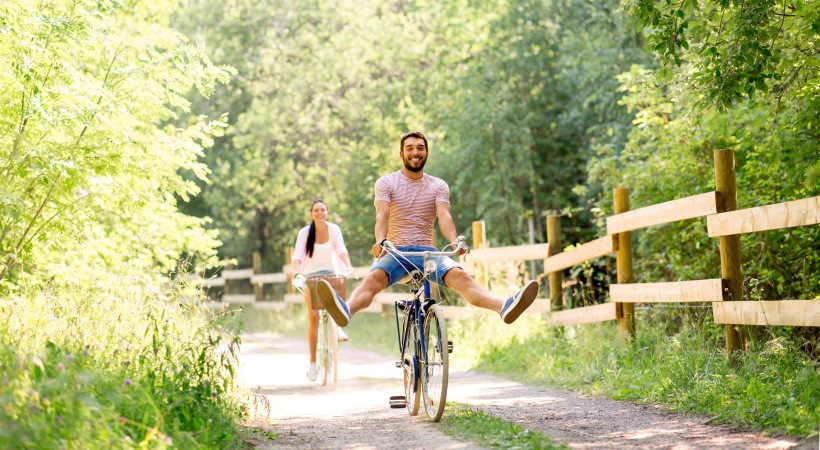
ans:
x=356 y=415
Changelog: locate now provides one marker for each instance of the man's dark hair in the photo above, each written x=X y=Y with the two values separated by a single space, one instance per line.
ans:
x=415 y=134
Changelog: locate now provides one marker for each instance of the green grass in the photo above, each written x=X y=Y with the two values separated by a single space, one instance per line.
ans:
x=774 y=386
x=472 y=424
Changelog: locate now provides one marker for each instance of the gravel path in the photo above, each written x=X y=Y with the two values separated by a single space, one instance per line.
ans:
x=356 y=415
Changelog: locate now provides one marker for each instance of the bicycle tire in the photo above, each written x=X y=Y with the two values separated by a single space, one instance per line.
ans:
x=322 y=349
x=332 y=363
x=435 y=373
x=410 y=367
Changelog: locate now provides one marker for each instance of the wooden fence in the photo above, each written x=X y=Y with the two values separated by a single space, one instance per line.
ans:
x=724 y=221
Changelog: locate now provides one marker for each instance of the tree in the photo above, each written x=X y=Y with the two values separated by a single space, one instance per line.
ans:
x=90 y=143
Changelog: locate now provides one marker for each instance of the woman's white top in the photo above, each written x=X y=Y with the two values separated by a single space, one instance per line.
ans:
x=326 y=256
x=322 y=259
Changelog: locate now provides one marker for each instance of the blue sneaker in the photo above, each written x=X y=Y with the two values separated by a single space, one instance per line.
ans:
x=518 y=303
x=335 y=306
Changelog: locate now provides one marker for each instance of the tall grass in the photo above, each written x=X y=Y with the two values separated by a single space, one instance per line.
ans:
x=105 y=360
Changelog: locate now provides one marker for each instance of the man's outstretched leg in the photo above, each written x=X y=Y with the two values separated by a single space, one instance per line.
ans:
x=361 y=297
x=509 y=309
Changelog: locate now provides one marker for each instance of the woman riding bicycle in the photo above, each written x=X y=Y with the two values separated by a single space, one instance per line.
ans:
x=319 y=250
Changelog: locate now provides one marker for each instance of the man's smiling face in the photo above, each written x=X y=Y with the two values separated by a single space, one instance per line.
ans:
x=414 y=154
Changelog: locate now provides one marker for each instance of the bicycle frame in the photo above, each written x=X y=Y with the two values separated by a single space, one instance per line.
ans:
x=422 y=326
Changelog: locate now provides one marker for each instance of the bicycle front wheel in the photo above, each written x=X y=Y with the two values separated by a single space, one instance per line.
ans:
x=332 y=356
x=322 y=349
x=435 y=372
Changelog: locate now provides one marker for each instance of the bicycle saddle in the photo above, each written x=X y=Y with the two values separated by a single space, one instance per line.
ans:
x=411 y=278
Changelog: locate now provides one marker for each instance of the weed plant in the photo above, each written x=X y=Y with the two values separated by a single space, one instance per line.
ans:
x=102 y=360
x=774 y=385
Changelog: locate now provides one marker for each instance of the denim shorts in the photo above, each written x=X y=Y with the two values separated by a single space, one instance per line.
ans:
x=396 y=267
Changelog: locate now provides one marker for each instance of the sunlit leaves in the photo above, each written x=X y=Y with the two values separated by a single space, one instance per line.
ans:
x=88 y=130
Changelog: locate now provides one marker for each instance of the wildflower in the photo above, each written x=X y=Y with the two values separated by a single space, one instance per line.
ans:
x=128 y=382
x=61 y=367
x=122 y=419
x=46 y=402
x=69 y=357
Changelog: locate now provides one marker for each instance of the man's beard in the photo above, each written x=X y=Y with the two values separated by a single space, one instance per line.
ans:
x=414 y=169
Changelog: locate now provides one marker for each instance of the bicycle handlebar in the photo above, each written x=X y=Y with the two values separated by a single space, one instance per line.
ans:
x=460 y=241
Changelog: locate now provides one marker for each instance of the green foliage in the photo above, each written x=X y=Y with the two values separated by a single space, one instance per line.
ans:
x=730 y=50
x=480 y=427
x=669 y=155
x=90 y=141
x=96 y=347
x=112 y=364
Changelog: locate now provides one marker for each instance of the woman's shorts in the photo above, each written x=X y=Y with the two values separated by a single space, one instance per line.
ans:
x=397 y=267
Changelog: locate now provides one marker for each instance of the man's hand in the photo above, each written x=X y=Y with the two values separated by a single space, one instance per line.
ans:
x=376 y=250
x=461 y=245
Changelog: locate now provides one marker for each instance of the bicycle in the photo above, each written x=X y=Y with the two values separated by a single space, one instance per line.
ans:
x=424 y=350
x=327 y=346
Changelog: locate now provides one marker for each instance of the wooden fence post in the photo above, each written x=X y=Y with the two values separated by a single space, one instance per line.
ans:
x=288 y=259
x=730 y=264
x=258 y=288
x=623 y=261
x=556 y=278
x=480 y=241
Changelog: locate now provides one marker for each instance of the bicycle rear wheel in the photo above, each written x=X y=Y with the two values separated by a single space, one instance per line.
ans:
x=435 y=373
x=410 y=366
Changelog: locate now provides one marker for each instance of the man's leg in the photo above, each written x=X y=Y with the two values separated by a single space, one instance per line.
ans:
x=361 y=297
x=461 y=282
x=509 y=309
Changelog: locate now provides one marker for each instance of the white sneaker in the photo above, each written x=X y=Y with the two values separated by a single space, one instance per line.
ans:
x=342 y=335
x=312 y=372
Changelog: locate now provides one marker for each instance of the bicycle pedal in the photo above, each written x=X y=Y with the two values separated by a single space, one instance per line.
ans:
x=398 y=364
x=397 y=401
x=449 y=346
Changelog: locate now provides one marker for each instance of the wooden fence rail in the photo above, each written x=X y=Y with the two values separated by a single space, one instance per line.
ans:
x=724 y=293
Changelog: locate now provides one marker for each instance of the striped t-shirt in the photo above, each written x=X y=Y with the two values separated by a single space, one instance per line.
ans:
x=412 y=206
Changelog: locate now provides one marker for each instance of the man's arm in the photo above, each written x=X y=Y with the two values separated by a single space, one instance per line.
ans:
x=382 y=219
x=445 y=221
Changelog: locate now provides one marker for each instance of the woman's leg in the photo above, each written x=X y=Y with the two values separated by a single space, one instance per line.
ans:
x=313 y=327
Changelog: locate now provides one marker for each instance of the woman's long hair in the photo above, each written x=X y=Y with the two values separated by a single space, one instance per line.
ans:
x=311 y=240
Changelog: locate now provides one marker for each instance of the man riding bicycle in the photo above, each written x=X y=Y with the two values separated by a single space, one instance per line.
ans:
x=408 y=202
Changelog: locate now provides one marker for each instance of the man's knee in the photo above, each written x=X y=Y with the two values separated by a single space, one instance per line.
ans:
x=457 y=278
